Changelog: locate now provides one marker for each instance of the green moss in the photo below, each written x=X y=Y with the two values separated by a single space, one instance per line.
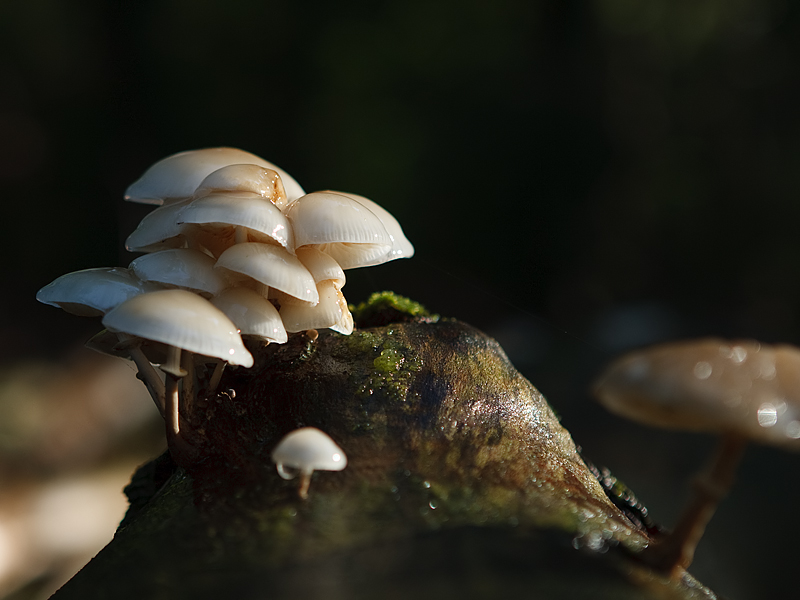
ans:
x=382 y=308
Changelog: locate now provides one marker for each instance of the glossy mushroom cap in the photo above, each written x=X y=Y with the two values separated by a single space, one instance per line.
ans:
x=182 y=319
x=179 y=175
x=740 y=387
x=309 y=449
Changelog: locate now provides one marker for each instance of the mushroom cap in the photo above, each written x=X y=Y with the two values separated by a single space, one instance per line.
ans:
x=401 y=246
x=326 y=313
x=309 y=449
x=240 y=209
x=252 y=313
x=91 y=292
x=740 y=387
x=158 y=229
x=322 y=266
x=181 y=319
x=179 y=175
x=180 y=267
x=325 y=218
x=271 y=265
x=245 y=178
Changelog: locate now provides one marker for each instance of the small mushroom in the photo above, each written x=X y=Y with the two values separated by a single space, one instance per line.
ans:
x=741 y=390
x=307 y=449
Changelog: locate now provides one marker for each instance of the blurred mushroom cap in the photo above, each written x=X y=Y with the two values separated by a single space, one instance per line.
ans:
x=309 y=449
x=740 y=387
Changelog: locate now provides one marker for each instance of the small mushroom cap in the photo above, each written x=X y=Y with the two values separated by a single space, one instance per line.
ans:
x=326 y=313
x=271 y=265
x=309 y=449
x=180 y=267
x=240 y=209
x=91 y=292
x=179 y=175
x=181 y=319
x=741 y=387
x=322 y=266
x=245 y=178
x=252 y=313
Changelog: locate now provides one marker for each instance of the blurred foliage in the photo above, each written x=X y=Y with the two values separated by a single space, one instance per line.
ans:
x=625 y=171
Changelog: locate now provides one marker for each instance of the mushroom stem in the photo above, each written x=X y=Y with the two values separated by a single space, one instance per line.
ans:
x=216 y=376
x=305 y=481
x=172 y=411
x=189 y=383
x=675 y=552
x=172 y=367
x=146 y=373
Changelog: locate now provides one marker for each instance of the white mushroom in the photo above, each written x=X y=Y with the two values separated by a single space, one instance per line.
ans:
x=741 y=390
x=322 y=266
x=245 y=178
x=271 y=266
x=307 y=449
x=327 y=218
x=401 y=246
x=252 y=313
x=179 y=175
x=183 y=321
x=91 y=292
x=252 y=217
x=328 y=312
x=182 y=268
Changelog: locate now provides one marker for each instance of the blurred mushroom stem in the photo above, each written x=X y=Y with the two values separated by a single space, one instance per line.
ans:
x=674 y=553
x=305 y=481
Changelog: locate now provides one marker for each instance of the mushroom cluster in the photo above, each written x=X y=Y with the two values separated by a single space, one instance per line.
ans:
x=234 y=250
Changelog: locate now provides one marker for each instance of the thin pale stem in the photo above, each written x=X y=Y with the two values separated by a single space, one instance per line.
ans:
x=172 y=410
x=216 y=376
x=147 y=372
x=240 y=235
x=675 y=552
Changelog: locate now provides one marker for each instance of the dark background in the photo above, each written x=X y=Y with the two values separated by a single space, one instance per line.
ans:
x=578 y=178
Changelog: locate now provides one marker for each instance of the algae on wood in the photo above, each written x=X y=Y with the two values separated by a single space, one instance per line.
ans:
x=461 y=483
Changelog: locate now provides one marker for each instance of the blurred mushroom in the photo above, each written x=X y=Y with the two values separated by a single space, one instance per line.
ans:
x=178 y=176
x=741 y=390
x=307 y=449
